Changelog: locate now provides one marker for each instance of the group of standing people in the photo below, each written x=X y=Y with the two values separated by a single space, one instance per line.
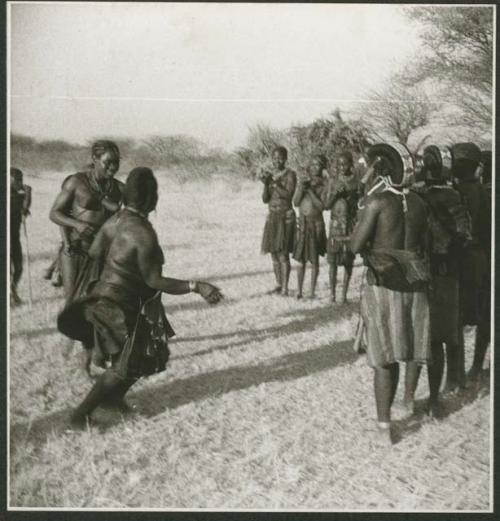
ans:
x=304 y=237
x=424 y=234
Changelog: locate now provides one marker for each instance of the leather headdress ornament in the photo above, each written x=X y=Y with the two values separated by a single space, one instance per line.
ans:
x=396 y=162
x=437 y=162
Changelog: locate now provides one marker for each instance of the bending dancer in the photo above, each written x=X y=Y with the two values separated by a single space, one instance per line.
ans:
x=344 y=191
x=449 y=230
x=311 y=236
x=85 y=201
x=390 y=234
x=122 y=315
x=20 y=203
x=279 y=231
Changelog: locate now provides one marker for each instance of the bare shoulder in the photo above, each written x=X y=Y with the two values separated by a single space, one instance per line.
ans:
x=141 y=233
x=291 y=174
x=72 y=182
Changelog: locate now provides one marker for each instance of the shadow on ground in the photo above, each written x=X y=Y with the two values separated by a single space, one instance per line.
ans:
x=155 y=400
x=304 y=320
x=450 y=403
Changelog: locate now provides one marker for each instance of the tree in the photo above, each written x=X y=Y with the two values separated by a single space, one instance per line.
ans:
x=328 y=135
x=458 y=59
x=398 y=110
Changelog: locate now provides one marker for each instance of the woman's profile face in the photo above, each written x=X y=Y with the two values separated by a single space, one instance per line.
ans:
x=106 y=165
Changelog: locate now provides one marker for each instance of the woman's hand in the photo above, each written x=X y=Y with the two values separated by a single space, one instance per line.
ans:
x=85 y=229
x=209 y=292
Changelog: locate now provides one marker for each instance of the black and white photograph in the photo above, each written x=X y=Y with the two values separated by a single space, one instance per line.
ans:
x=250 y=257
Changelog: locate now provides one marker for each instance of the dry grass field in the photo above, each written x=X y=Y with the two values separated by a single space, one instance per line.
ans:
x=264 y=404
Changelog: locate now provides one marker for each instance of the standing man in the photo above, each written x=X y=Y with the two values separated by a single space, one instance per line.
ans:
x=484 y=315
x=279 y=231
x=449 y=229
x=20 y=203
x=391 y=236
x=474 y=263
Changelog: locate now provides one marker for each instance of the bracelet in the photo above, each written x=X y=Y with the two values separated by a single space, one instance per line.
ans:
x=192 y=285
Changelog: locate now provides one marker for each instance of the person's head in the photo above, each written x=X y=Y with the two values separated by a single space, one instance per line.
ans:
x=344 y=163
x=466 y=160
x=436 y=165
x=486 y=160
x=105 y=158
x=279 y=157
x=393 y=162
x=141 y=190
x=16 y=178
x=319 y=163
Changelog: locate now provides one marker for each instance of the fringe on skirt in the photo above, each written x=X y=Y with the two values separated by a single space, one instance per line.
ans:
x=279 y=232
x=311 y=239
x=397 y=325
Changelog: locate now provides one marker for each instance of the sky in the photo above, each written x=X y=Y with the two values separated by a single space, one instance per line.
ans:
x=81 y=70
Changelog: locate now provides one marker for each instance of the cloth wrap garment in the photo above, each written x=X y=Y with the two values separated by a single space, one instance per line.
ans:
x=311 y=239
x=85 y=270
x=394 y=297
x=279 y=228
x=449 y=229
x=342 y=220
x=395 y=307
x=128 y=327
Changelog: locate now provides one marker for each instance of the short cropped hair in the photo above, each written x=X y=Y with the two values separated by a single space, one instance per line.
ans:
x=282 y=151
x=141 y=189
x=102 y=146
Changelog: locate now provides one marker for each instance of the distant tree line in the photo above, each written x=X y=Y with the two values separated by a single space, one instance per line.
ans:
x=448 y=84
x=181 y=155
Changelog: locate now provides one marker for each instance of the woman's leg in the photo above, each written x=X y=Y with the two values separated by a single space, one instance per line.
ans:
x=314 y=276
x=277 y=272
x=347 y=279
x=333 y=280
x=411 y=382
x=435 y=373
x=480 y=348
x=386 y=383
x=285 y=272
x=301 y=268
x=109 y=386
x=69 y=270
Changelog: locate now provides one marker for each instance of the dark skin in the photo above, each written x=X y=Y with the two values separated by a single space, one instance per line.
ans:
x=16 y=254
x=382 y=224
x=344 y=167
x=279 y=194
x=127 y=239
x=132 y=243
x=436 y=369
x=310 y=205
x=76 y=209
